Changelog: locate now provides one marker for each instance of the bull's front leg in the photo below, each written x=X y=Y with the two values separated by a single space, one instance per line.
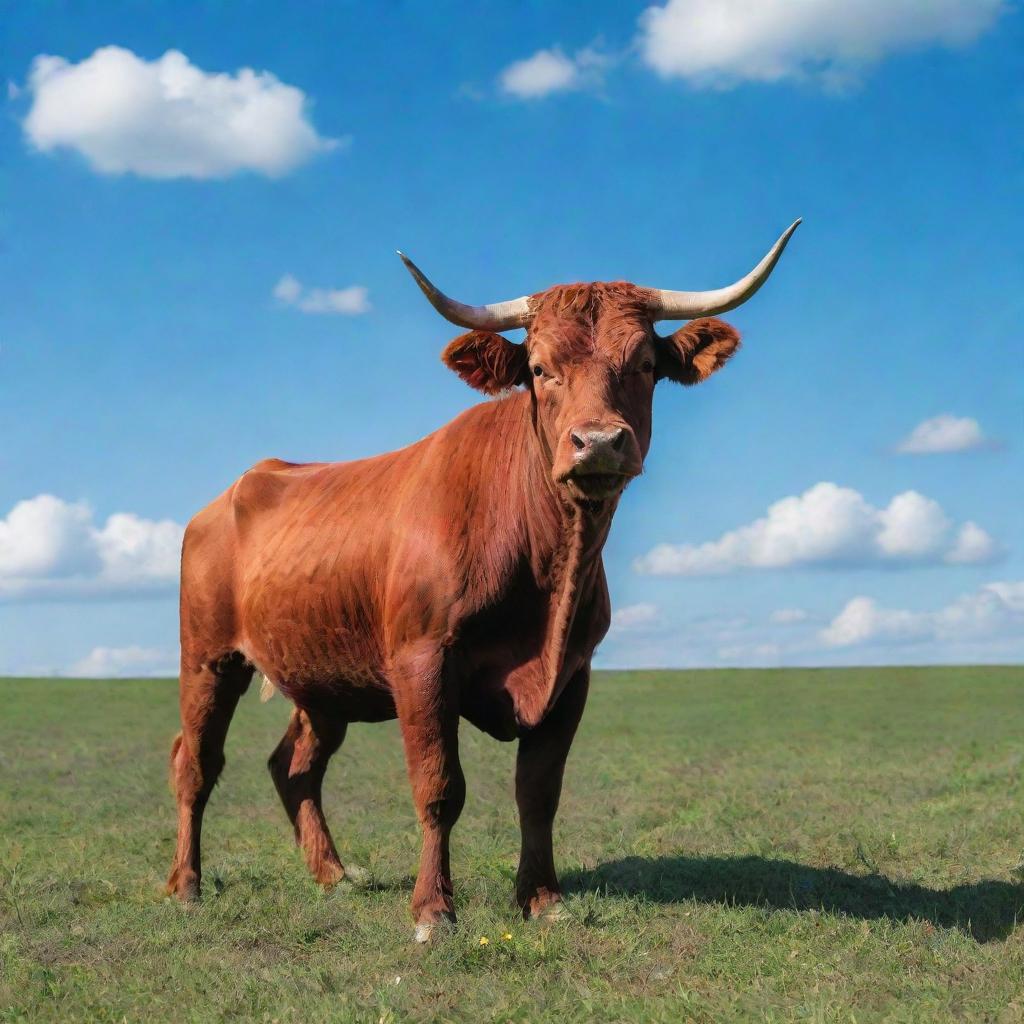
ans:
x=540 y=764
x=539 y=767
x=428 y=713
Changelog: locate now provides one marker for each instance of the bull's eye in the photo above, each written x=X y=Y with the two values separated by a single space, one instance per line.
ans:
x=646 y=366
x=538 y=370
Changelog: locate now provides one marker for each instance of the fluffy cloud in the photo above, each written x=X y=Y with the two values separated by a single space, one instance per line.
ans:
x=633 y=617
x=125 y=662
x=53 y=548
x=722 y=42
x=984 y=626
x=551 y=71
x=994 y=611
x=829 y=525
x=943 y=434
x=167 y=118
x=346 y=301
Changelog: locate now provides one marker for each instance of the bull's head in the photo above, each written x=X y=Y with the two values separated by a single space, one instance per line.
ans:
x=591 y=358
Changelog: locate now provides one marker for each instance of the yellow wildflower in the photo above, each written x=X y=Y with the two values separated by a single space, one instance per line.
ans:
x=507 y=936
x=484 y=940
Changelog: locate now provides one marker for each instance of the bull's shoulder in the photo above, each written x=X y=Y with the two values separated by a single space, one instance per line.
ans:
x=215 y=531
x=264 y=485
x=269 y=465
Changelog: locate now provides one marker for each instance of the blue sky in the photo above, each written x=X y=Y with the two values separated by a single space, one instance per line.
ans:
x=149 y=352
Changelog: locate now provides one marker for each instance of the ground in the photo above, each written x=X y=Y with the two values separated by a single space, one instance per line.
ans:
x=778 y=845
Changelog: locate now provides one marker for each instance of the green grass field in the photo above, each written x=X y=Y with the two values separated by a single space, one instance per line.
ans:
x=778 y=845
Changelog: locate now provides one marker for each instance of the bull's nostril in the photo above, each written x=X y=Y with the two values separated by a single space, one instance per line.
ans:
x=619 y=439
x=577 y=442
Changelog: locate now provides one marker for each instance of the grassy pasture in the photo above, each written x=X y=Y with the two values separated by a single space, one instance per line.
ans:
x=783 y=845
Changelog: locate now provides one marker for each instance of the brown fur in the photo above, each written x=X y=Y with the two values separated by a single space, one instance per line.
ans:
x=486 y=361
x=460 y=577
x=700 y=348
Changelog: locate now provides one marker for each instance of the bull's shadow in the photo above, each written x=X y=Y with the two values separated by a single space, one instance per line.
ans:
x=987 y=910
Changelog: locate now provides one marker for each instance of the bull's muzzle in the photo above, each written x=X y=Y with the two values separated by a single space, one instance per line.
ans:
x=604 y=457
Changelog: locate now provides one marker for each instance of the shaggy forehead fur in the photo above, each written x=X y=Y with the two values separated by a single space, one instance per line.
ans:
x=581 y=319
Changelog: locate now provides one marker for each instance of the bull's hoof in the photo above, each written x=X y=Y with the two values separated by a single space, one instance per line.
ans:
x=432 y=931
x=550 y=912
x=327 y=874
x=186 y=888
x=358 y=878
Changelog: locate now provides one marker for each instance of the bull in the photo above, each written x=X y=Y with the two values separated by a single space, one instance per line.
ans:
x=460 y=577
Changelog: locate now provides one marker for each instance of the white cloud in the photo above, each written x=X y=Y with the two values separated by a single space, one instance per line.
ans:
x=941 y=434
x=53 y=548
x=634 y=616
x=547 y=71
x=912 y=527
x=46 y=536
x=551 y=71
x=346 y=301
x=829 y=525
x=722 y=42
x=759 y=654
x=973 y=545
x=167 y=118
x=984 y=626
x=125 y=662
x=994 y=611
x=788 y=616
x=287 y=290
x=138 y=551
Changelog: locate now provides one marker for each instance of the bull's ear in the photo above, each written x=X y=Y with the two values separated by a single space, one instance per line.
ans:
x=696 y=350
x=486 y=361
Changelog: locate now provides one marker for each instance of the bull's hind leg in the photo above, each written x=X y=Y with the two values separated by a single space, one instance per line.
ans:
x=539 y=767
x=297 y=767
x=209 y=696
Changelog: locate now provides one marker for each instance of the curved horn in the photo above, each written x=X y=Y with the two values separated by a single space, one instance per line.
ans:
x=669 y=305
x=499 y=316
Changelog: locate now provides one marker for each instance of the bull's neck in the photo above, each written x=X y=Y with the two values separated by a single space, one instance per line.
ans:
x=564 y=540
x=526 y=524
x=562 y=537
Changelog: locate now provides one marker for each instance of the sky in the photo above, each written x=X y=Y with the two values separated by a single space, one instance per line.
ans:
x=199 y=210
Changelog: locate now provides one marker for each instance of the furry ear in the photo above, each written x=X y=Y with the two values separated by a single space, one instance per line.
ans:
x=696 y=350
x=486 y=361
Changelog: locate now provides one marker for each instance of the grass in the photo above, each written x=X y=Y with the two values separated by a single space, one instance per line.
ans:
x=779 y=845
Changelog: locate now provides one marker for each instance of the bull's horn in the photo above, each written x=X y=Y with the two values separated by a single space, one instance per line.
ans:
x=500 y=316
x=668 y=305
